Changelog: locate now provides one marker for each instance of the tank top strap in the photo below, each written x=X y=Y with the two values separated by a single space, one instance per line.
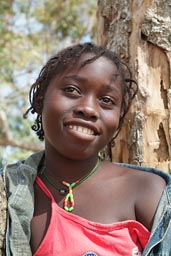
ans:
x=44 y=188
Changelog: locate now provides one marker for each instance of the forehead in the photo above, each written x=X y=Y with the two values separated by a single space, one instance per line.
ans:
x=99 y=61
x=101 y=67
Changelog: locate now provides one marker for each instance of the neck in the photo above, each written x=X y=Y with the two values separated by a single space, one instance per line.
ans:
x=63 y=168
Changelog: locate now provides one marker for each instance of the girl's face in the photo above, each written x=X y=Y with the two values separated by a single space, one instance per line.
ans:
x=82 y=108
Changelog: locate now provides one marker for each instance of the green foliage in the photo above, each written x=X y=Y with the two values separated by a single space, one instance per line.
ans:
x=30 y=32
x=67 y=19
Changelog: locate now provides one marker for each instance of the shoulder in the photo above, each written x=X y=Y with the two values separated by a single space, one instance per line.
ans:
x=147 y=186
x=149 y=189
x=146 y=177
x=149 y=181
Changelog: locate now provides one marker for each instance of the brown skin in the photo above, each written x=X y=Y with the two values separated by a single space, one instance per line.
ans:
x=90 y=97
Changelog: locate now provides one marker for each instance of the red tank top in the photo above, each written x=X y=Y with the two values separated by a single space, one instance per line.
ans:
x=72 y=235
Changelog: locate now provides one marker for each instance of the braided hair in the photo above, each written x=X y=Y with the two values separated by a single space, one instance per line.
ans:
x=64 y=60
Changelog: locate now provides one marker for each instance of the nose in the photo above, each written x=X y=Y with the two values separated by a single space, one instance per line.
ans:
x=87 y=108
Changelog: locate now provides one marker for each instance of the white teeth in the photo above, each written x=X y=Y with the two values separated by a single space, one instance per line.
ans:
x=81 y=129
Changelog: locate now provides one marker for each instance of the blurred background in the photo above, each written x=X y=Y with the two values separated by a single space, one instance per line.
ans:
x=30 y=32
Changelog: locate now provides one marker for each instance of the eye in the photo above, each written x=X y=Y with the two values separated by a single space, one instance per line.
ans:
x=72 y=90
x=107 y=101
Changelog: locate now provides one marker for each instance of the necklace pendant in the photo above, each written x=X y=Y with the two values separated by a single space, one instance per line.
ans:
x=62 y=191
x=69 y=201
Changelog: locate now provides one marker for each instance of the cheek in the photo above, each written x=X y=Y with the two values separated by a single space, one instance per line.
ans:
x=53 y=105
x=50 y=113
x=113 y=119
x=54 y=111
x=112 y=123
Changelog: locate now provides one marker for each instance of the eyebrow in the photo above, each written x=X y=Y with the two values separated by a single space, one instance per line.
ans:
x=110 y=88
x=80 y=78
x=76 y=77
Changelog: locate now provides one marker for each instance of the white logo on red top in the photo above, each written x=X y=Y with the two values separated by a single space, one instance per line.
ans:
x=136 y=252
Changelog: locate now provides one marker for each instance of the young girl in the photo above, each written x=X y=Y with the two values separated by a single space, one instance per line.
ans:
x=67 y=200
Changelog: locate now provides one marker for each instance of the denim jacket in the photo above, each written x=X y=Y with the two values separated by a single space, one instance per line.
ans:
x=19 y=179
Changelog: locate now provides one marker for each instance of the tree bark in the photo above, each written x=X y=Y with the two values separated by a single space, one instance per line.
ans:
x=140 y=32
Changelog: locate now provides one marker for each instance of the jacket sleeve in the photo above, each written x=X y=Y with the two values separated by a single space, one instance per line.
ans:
x=3 y=215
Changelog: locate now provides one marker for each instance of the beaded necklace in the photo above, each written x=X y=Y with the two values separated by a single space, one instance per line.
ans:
x=69 y=198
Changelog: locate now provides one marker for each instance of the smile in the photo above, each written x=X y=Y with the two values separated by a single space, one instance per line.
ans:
x=81 y=129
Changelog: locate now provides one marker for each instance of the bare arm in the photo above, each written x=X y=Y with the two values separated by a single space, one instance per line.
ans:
x=149 y=192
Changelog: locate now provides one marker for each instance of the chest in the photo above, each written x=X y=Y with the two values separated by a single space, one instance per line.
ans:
x=103 y=203
x=106 y=202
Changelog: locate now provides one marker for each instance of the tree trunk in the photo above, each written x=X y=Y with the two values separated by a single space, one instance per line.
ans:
x=140 y=32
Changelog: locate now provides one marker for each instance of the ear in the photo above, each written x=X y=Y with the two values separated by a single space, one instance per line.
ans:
x=38 y=104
